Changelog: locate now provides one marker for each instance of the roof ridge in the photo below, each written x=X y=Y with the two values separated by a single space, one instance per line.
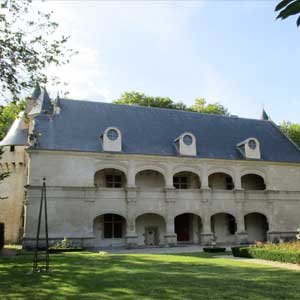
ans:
x=164 y=109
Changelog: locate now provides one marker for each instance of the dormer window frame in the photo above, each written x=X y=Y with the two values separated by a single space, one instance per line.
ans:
x=250 y=148
x=184 y=147
x=110 y=143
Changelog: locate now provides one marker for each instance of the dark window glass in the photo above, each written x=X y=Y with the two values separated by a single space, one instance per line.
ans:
x=108 y=230
x=188 y=140
x=113 y=226
x=12 y=148
x=108 y=217
x=180 y=182
x=113 y=181
x=117 y=230
x=112 y=134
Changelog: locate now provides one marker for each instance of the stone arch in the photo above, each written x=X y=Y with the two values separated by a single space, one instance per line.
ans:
x=149 y=176
x=110 y=177
x=110 y=165
x=257 y=226
x=225 y=170
x=251 y=181
x=186 y=178
x=109 y=230
x=256 y=171
x=157 y=168
x=188 y=227
x=220 y=179
x=224 y=227
x=150 y=229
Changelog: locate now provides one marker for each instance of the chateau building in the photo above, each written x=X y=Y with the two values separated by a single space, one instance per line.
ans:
x=129 y=176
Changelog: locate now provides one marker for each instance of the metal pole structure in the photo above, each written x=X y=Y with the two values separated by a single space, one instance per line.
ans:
x=46 y=225
x=35 y=260
x=36 y=251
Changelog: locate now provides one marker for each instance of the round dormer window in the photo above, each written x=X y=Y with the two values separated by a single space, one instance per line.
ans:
x=188 y=140
x=112 y=134
x=252 y=144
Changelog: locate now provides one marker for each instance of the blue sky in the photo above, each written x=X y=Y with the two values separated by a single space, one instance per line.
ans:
x=232 y=52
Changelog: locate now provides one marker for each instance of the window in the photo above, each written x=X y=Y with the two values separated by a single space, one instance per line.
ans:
x=113 y=226
x=229 y=183
x=231 y=224
x=112 y=134
x=188 y=140
x=12 y=148
x=252 y=144
x=180 y=182
x=113 y=181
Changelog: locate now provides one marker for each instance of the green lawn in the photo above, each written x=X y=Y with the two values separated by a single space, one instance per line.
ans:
x=92 y=276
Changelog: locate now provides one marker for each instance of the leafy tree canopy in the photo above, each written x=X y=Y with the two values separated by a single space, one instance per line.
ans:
x=292 y=130
x=200 y=105
x=29 y=44
x=288 y=8
x=8 y=114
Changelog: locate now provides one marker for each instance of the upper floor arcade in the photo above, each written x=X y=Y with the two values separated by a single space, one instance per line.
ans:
x=184 y=178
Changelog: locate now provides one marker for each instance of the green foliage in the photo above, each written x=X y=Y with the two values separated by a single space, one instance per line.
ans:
x=285 y=252
x=288 y=8
x=28 y=45
x=292 y=130
x=202 y=107
x=136 y=98
x=8 y=114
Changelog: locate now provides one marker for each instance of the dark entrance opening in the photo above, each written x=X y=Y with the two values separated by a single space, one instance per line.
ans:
x=182 y=228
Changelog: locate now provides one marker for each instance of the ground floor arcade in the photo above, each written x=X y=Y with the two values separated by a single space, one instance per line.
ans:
x=150 y=229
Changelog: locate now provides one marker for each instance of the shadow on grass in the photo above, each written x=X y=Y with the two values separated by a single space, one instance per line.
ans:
x=144 y=276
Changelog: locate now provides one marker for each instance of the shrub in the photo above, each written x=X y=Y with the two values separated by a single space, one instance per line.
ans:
x=214 y=249
x=268 y=253
x=1 y=235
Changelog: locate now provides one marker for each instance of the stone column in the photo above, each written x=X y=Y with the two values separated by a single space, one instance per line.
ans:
x=170 y=199
x=131 y=175
x=206 y=235
x=272 y=232
x=204 y=177
x=131 y=235
x=237 y=178
x=241 y=233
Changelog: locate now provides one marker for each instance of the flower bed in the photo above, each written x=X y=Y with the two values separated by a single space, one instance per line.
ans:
x=285 y=252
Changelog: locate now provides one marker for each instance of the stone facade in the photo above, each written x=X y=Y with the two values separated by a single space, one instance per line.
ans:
x=12 y=192
x=157 y=177
x=147 y=202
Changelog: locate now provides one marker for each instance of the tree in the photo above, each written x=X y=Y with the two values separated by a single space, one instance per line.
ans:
x=292 y=130
x=136 y=98
x=215 y=108
x=27 y=47
x=8 y=114
x=287 y=9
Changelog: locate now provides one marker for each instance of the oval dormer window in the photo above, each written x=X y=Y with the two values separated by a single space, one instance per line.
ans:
x=188 y=140
x=112 y=134
x=252 y=144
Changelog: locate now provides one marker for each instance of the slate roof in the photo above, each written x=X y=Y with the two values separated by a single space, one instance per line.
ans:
x=145 y=130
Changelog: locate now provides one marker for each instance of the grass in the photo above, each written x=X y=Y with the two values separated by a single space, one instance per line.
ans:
x=92 y=276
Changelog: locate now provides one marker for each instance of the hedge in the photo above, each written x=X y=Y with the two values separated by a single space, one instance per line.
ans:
x=284 y=256
x=214 y=249
x=1 y=235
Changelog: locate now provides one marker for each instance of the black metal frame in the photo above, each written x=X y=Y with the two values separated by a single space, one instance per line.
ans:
x=36 y=267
